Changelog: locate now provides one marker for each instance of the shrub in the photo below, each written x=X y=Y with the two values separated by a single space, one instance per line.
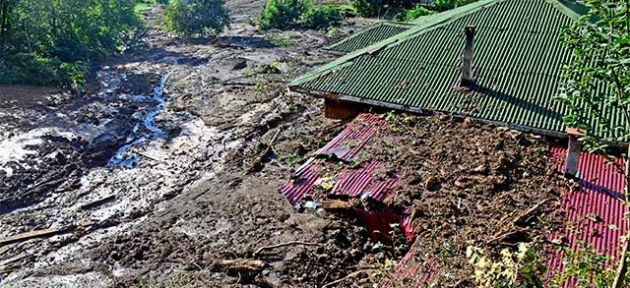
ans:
x=321 y=17
x=443 y=5
x=35 y=69
x=282 y=14
x=382 y=7
x=196 y=18
x=413 y=13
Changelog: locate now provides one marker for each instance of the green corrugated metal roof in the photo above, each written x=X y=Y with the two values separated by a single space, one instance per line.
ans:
x=368 y=36
x=518 y=65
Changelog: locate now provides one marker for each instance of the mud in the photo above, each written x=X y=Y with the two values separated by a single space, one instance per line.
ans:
x=154 y=174
x=468 y=184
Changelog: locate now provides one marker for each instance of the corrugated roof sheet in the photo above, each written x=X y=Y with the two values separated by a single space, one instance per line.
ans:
x=355 y=182
x=518 y=66
x=367 y=37
x=595 y=213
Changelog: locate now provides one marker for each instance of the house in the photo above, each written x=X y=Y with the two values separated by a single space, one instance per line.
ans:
x=498 y=61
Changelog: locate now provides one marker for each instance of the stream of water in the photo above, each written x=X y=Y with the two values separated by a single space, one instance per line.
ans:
x=144 y=131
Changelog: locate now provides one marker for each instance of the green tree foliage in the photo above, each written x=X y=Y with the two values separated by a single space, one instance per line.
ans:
x=321 y=17
x=598 y=79
x=383 y=8
x=196 y=18
x=402 y=8
x=413 y=13
x=282 y=14
x=443 y=5
x=53 y=41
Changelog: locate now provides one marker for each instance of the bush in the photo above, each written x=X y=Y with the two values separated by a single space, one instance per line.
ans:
x=196 y=18
x=282 y=14
x=413 y=13
x=382 y=7
x=34 y=69
x=443 y=5
x=321 y=17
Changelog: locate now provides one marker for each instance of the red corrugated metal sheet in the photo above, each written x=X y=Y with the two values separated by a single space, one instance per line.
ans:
x=595 y=213
x=352 y=139
x=411 y=272
x=355 y=181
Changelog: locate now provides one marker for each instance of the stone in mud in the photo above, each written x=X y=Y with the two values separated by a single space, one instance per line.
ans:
x=241 y=64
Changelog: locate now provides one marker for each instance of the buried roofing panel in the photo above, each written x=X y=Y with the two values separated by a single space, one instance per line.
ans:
x=351 y=181
x=517 y=65
x=367 y=37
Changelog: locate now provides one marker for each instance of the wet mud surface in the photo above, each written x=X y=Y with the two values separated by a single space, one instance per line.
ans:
x=160 y=172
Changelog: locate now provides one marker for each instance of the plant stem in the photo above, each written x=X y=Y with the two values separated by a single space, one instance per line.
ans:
x=623 y=263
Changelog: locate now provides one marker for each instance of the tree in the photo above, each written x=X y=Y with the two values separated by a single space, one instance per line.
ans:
x=196 y=18
x=598 y=79
x=6 y=7
x=282 y=14
x=53 y=41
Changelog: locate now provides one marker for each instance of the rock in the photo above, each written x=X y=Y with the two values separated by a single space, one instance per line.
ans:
x=481 y=169
x=432 y=184
x=241 y=64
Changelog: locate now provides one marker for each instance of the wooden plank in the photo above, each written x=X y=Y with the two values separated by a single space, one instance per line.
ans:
x=29 y=235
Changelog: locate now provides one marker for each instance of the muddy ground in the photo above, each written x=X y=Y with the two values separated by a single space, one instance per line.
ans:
x=469 y=185
x=159 y=172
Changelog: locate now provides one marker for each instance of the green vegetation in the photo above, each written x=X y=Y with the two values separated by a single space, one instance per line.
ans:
x=145 y=5
x=443 y=5
x=586 y=267
x=597 y=78
x=519 y=268
x=285 y=14
x=405 y=10
x=413 y=13
x=321 y=17
x=196 y=18
x=47 y=42
x=383 y=8
x=282 y=14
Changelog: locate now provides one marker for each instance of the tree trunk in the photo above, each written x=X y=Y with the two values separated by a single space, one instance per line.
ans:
x=623 y=263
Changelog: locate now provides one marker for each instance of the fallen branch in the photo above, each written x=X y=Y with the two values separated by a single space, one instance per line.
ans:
x=259 y=250
x=30 y=235
x=261 y=158
x=349 y=276
x=505 y=235
x=97 y=202
x=242 y=265
x=529 y=212
x=335 y=205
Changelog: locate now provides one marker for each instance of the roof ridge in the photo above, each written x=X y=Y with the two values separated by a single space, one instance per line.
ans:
x=564 y=6
x=367 y=29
